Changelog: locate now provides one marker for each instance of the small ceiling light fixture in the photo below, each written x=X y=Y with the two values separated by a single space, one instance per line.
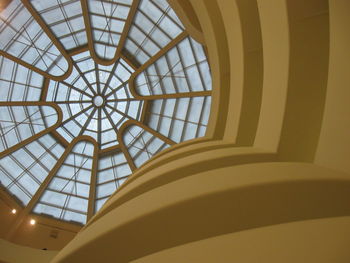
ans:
x=32 y=222
x=14 y=211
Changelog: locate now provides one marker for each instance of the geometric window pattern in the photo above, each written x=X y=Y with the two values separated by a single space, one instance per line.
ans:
x=77 y=95
x=153 y=27
x=65 y=20
x=18 y=83
x=180 y=119
x=107 y=15
x=67 y=195
x=183 y=69
x=24 y=39
x=23 y=171
x=90 y=91
x=18 y=123
x=113 y=170
x=141 y=144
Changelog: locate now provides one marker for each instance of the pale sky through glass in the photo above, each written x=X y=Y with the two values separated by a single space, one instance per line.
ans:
x=89 y=92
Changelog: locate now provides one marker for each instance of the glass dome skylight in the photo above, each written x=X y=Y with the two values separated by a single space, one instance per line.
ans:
x=90 y=91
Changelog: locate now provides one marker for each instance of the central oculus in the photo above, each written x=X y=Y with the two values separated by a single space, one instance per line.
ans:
x=95 y=100
x=98 y=101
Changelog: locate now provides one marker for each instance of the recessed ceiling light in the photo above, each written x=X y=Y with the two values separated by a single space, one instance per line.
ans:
x=14 y=211
x=32 y=222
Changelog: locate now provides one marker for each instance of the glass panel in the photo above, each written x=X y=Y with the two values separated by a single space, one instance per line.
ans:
x=18 y=83
x=107 y=22
x=183 y=69
x=153 y=27
x=180 y=119
x=141 y=144
x=113 y=170
x=22 y=171
x=26 y=40
x=67 y=195
x=65 y=19
x=18 y=123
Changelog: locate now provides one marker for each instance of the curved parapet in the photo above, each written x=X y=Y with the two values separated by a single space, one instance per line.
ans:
x=15 y=253
x=209 y=204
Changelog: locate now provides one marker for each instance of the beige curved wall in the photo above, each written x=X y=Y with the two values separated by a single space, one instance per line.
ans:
x=209 y=204
x=12 y=253
x=319 y=240
x=274 y=165
x=334 y=143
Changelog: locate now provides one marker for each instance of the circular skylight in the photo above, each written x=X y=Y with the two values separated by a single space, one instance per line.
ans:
x=98 y=101
x=90 y=91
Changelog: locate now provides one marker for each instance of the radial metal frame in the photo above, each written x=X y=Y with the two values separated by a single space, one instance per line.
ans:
x=119 y=54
